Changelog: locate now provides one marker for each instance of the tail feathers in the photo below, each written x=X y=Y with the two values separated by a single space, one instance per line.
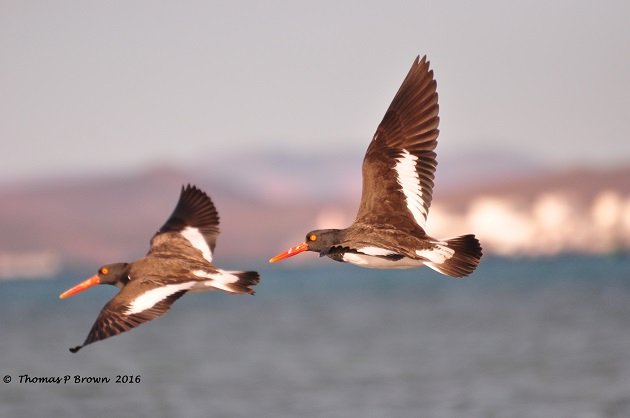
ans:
x=229 y=281
x=455 y=257
x=246 y=280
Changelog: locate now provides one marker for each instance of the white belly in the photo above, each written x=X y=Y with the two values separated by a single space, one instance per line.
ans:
x=369 y=261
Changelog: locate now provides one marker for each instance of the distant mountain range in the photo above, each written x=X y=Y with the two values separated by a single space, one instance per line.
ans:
x=269 y=202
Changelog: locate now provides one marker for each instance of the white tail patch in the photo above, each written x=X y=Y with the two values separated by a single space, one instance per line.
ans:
x=408 y=178
x=197 y=240
x=437 y=256
x=219 y=280
x=148 y=299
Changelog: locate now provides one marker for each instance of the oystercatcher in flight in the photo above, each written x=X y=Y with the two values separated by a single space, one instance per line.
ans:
x=179 y=261
x=398 y=171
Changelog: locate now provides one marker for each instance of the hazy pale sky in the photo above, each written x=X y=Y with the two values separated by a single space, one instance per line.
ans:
x=88 y=87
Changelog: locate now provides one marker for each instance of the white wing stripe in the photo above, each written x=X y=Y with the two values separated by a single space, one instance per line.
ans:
x=197 y=240
x=412 y=189
x=148 y=299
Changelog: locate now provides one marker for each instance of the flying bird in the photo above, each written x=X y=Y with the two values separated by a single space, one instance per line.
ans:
x=389 y=231
x=179 y=261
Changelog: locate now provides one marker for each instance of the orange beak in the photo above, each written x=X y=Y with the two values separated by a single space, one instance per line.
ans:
x=85 y=284
x=290 y=252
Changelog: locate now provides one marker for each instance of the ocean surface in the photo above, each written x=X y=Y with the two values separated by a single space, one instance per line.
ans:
x=520 y=338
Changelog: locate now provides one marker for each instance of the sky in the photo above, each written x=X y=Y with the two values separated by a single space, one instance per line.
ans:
x=93 y=87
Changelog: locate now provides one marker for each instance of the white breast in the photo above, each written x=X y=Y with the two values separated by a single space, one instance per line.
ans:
x=370 y=261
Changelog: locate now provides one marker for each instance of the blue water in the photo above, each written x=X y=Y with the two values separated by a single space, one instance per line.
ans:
x=521 y=338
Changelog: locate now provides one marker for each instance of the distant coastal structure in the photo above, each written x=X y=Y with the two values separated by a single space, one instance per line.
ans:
x=29 y=265
x=541 y=213
x=548 y=223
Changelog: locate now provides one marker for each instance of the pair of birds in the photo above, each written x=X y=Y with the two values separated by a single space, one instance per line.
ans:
x=388 y=232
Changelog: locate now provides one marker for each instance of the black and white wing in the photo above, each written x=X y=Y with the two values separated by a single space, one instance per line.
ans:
x=194 y=221
x=136 y=303
x=399 y=165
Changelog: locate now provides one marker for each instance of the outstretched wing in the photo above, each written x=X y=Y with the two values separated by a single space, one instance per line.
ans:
x=399 y=165
x=136 y=303
x=195 y=220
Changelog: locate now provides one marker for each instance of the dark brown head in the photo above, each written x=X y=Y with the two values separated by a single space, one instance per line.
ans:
x=319 y=240
x=115 y=274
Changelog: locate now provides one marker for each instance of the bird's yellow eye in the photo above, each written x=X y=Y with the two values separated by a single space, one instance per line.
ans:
x=312 y=237
x=104 y=270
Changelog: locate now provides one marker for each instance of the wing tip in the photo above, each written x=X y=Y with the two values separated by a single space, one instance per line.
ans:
x=194 y=208
x=192 y=191
x=422 y=61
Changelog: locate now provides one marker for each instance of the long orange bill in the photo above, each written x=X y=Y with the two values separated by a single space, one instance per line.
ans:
x=85 y=284
x=290 y=252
